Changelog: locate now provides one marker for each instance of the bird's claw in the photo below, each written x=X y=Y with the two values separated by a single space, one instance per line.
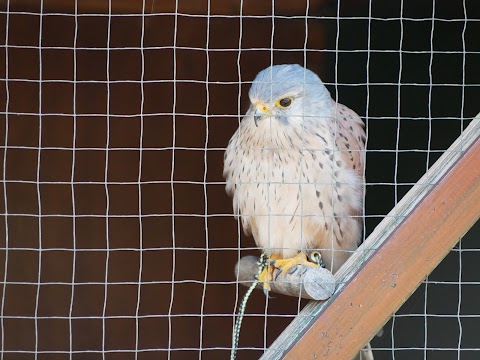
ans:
x=292 y=269
x=279 y=271
x=266 y=292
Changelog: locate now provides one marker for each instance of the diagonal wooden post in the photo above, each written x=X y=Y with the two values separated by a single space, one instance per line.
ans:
x=406 y=246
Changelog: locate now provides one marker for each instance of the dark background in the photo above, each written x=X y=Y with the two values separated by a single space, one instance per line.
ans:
x=93 y=204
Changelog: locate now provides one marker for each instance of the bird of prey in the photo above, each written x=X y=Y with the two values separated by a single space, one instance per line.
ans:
x=295 y=169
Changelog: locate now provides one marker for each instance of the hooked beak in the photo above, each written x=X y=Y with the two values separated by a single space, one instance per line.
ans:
x=261 y=112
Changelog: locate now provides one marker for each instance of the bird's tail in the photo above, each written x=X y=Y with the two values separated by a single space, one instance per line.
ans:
x=365 y=354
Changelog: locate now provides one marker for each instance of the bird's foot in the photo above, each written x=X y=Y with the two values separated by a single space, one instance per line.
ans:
x=284 y=265
x=267 y=274
x=289 y=264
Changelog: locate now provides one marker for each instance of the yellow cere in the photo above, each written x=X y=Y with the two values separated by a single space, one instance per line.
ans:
x=263 y=108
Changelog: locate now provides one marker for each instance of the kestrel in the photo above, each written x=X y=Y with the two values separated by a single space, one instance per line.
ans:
x=295 y=169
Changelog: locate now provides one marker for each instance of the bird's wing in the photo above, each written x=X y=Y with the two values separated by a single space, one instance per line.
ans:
x=350 y=137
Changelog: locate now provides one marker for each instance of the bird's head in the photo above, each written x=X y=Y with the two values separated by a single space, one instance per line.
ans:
x=288 y=94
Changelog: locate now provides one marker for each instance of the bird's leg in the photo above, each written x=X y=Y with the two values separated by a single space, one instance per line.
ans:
x=267 y=274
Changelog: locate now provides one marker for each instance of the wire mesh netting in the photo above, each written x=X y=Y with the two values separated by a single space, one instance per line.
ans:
x=117 y=238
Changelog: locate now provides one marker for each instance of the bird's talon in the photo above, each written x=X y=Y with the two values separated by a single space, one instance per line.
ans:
x=279 y=271
x=302 y=271
x=292 y=270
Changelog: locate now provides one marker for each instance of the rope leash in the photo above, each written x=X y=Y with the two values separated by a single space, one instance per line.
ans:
x=262 y=263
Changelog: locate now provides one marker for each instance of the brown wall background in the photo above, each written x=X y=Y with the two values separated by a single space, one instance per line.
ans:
x=102 y=203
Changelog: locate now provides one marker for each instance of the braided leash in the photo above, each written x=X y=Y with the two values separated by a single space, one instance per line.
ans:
x=262 y=263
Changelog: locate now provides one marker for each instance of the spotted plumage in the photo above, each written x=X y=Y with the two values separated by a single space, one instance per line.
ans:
x=296 y=172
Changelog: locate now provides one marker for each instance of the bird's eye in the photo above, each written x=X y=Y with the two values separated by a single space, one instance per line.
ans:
x=284 y=102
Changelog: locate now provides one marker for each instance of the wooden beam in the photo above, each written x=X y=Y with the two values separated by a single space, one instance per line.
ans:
x=406 y=246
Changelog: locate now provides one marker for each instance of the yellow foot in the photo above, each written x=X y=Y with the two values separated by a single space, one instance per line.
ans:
x=267 y=274
x=287 y=264
x=276 y=262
